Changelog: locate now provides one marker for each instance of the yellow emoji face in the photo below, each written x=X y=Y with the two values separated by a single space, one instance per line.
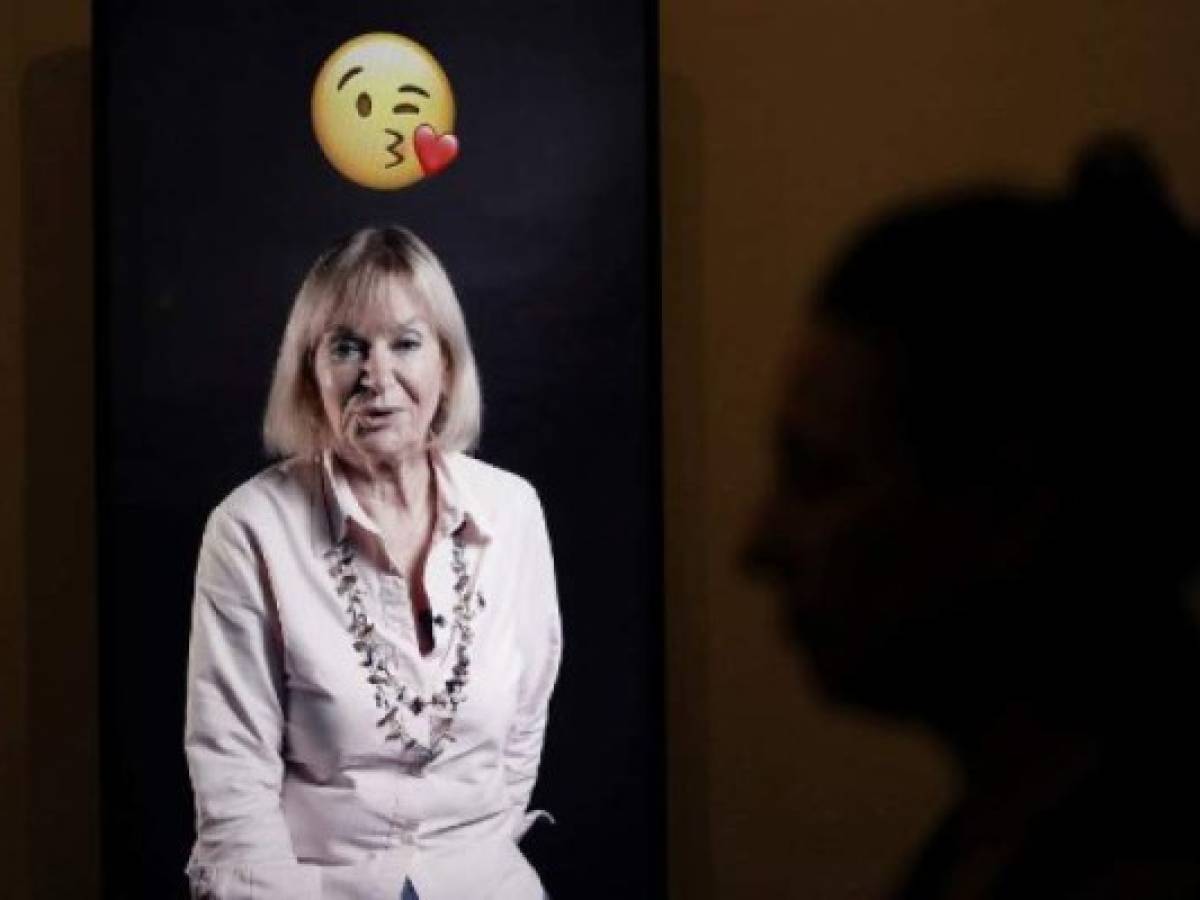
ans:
x=383 y=112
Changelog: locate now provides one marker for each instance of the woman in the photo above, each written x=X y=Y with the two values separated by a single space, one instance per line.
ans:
x=375 y=630
x=984 y=521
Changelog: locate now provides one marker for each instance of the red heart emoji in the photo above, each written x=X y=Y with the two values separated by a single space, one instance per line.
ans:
x=434 y=151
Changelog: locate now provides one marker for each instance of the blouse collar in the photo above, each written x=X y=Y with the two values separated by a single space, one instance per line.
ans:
x=459 y=510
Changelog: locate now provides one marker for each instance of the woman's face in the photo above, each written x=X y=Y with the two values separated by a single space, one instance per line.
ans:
x=381 y=378
x=874 y=568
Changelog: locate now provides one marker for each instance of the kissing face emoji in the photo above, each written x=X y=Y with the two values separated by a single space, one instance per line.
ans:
x=383 y=112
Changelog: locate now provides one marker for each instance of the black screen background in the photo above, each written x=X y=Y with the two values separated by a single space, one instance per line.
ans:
x=214 y=199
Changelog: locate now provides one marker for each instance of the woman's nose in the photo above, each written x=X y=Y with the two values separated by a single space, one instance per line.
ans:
x=375 y=370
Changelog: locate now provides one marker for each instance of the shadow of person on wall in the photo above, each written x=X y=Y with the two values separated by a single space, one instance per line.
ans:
x=984 y=519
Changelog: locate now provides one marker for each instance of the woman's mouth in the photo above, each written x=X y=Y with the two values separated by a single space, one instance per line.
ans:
x=375 y=418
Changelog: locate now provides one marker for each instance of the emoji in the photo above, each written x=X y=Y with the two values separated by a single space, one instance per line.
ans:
x=383 y=112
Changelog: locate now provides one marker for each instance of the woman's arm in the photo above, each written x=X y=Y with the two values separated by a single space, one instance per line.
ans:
x=234 y=728
x=540 y=634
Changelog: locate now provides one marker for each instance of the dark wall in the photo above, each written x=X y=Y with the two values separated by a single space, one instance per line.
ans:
x=214 y=199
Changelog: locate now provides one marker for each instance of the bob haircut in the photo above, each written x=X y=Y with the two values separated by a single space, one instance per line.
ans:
x=353 y=275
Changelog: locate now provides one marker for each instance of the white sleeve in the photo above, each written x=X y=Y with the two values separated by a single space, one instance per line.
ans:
x=234 y=728
x=540 y=634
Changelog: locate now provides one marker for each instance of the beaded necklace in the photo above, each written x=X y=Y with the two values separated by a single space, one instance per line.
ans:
x=379 y=656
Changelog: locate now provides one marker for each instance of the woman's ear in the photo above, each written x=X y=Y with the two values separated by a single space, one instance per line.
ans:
x=1017 y=523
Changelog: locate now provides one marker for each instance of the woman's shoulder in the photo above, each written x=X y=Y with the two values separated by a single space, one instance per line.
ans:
x=505 y=499
x=287 y=486
x=487 y=479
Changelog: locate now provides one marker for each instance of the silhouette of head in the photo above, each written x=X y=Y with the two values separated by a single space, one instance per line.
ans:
x=986 y=467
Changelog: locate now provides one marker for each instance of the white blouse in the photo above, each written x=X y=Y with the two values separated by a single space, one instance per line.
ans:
x=300 y=793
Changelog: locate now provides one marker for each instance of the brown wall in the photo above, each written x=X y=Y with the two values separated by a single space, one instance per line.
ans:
x=48 y=716
x=784 y=125
x=13 y=744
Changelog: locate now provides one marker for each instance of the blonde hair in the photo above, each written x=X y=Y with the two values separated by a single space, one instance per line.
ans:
x=354 y=274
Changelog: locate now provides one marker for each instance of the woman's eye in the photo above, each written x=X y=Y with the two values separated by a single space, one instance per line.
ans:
x=345 y=349
x=407 y=344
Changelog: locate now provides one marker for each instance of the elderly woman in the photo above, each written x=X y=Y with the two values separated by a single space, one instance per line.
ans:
x=375 y=631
